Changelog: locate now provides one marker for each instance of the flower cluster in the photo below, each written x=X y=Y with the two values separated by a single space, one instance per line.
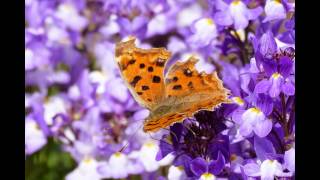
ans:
x=75 y=95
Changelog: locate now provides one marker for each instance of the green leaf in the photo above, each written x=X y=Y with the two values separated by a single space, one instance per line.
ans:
x=50 y=163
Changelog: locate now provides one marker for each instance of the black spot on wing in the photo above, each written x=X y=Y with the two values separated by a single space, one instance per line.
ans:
x=177 y=87
x=156 y=79
x=190 y=85
x=135 y=80
x=132 y=61
x=150 y=69
x=175 y=79
x=139 y=93
x=145 y=88
x=142 y=66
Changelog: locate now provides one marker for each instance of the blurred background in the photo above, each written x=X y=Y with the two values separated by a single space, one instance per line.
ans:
x=78 y=109
x=78 y=112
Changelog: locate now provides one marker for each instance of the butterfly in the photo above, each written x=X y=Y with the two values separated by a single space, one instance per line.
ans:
x=171 y=98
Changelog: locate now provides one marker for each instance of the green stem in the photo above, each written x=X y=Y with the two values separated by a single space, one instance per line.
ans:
x=241 y=45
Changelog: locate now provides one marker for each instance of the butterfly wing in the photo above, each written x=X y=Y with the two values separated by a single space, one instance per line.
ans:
x=143 y=72
x=187 y=91
x=153 y=125
x=193 y=89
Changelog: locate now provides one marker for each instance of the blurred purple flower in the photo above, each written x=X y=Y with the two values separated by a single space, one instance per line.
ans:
x=70 y=16
x=35 y=139
x=136 y=27
x=274 y=10
x=205 y=33
x=235 y=13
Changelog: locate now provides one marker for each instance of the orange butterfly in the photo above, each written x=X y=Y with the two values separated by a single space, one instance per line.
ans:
x=180 y=94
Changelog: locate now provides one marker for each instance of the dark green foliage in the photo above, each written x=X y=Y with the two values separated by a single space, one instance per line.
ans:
x=50 y=163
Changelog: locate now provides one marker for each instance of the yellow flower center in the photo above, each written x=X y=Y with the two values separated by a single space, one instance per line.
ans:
x=35 y=126
x=210 y=21
x=240 y=33
x=276 y=75
x=76 y=116
x=277 y=1
x=208 y=176
x=270 y=161
x=255 y=110
x=118 y=154
x=149 y=144
x=238 y=100
x=236 y=2
x=87 y=160
x=66 y=7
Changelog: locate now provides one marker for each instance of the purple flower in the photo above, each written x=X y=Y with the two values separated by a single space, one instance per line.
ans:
x=187 y=14
x=36 y=56
x=136 y=27
x=267 y=44
x=268 y=163
x=35 y=139
x=267 y=170
x=110 y=28
x=176 y=173
x=87 y=169
x=205 y=33
x=200 y=167
x=235 y=13
x=159 y=25
x=201 y=139
x=275 y=63
x=176 y=45
x=70 y=16
x=275 y=9
x=117 y=166
x=34 y=103
x=289 y=35
x=289 y=160
x=255 y=119
x=278 y=80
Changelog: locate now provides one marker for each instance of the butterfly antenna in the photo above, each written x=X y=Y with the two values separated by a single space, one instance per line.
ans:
x=130 y=138
x=124 y=147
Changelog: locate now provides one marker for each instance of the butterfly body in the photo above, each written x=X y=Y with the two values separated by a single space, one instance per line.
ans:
x=171 y=98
